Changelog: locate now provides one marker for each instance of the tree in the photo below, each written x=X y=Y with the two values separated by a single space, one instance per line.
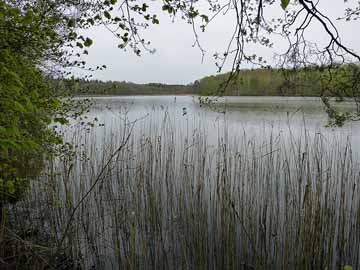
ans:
x=37 y=41
x=26 y=103
x=40 y=40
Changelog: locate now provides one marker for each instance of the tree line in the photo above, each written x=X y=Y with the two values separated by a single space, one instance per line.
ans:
x=311 y=82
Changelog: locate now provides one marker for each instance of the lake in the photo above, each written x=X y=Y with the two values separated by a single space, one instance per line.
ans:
x=163 y=182
x=258 y=117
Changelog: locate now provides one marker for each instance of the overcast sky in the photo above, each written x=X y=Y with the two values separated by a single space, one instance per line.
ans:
x=176 y=61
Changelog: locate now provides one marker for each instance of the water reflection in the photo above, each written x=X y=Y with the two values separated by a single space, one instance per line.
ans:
x=257 y=116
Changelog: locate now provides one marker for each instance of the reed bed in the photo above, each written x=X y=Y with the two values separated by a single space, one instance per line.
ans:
x=160 y=197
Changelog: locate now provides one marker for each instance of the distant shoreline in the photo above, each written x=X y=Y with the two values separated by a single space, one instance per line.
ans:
x=346 y=99
x=130 y=95
x=257 y=82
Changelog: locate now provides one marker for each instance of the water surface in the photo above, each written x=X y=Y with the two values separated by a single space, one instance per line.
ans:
x=246 y=181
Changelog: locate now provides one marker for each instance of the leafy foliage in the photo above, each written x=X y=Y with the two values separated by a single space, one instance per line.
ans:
x=284 y=3
x=26 y=102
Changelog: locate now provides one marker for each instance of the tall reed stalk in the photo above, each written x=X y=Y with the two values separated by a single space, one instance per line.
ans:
x=170 y=198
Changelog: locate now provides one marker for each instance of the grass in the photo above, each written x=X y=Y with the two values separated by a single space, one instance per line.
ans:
x=163 y=197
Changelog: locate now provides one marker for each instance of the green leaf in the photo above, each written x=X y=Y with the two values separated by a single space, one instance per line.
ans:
x=107 y=15
x=155 y=20
x=205 y=18
x=348 y=267
x=284 y=3
x=144 y=7
x=61 y=120
x=88 y=42
x=91 y=21
x=71 y=23
x=10 y=187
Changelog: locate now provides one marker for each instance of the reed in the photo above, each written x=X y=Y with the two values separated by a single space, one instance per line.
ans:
x=164 y=197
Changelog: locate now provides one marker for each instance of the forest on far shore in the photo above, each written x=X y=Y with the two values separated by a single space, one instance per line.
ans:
x=248 y=82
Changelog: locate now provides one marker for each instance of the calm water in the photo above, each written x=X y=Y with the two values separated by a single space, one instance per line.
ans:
x=258 y=117
x=169 y=186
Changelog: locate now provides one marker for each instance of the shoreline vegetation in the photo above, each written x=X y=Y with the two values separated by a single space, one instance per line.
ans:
x=307 y=82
